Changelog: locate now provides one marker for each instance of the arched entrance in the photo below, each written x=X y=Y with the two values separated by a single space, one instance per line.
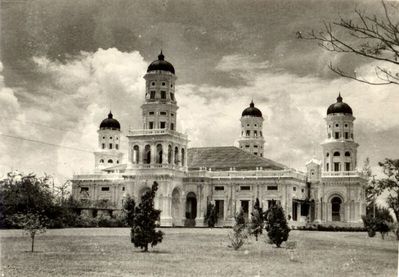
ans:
x=176 y=207
x=336 y=208
x=191 y=209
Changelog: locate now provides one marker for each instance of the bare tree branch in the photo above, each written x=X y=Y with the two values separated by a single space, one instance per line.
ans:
x=375 y=38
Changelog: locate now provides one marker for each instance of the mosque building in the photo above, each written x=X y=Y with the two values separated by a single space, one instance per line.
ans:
x=330 y=192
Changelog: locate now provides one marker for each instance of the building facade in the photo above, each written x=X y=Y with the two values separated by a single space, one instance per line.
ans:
x=330 y=192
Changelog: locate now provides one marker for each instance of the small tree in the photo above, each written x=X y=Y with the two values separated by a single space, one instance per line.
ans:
x=211 y=216
x=257 y=221
x=390 y=185
x=381 y=222
x=276 y=225
x=128 y=210
x=237 y=236
x=144 y=224
x=31 y=223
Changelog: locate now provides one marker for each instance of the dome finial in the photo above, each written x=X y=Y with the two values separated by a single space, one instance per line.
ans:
x=252 y=103
x=339 y=98
x=161 y=57
x=110 y=114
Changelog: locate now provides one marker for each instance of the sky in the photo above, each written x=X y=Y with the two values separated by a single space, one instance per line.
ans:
x=65 y=64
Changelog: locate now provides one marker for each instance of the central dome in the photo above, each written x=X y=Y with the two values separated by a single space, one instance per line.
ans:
x=161 y=64
x=110 y=123
x=339 y=107
x=252 y=111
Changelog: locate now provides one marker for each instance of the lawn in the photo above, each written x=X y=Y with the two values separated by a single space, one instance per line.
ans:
x=194 y=252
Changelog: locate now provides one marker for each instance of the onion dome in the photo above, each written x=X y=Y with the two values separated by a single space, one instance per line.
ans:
x=110 y=123
x=339 y=107
x=161 y=64
x=252 y=111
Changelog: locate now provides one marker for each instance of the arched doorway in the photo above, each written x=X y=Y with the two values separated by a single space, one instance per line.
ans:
x=176 y=207
x=336 y=208
x=191 y=209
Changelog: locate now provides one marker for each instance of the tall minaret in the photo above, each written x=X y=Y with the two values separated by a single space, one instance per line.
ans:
x=108 y=153
x=159 y=108
x=251 y=139
x=158 y=144
x=340 y=148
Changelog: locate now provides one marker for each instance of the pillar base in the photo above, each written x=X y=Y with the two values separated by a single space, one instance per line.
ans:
x=199 y=222
x=166 y=222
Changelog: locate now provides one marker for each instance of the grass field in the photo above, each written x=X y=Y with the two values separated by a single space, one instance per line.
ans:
x=194 y=252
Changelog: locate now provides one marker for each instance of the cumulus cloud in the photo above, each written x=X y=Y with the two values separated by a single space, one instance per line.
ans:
x=79 y=92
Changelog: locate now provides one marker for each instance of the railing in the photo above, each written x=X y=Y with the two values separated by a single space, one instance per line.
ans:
x=150 y=166
x=251 y=173
x=147 y=132
x=342 y=174
x=92 y=176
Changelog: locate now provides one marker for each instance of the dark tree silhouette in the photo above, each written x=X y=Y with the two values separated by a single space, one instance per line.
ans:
x=256 y=224
x=145 y=218
x=276 y=225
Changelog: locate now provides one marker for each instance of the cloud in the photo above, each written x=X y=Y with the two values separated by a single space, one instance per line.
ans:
x=79 y=92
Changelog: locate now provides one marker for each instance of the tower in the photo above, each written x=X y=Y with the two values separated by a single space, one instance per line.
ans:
x=108 y=153
x=251 y=139
x=158 y=144
x=340 y=148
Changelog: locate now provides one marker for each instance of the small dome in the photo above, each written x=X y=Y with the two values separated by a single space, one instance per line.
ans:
x=339 y=107
x=110 y=123
x=161 y=64
x=252 y=111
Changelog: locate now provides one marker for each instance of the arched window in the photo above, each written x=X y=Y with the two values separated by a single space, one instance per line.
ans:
x=328 y=155
x=337 y=154
x=347 y=154
x=135 y=156
x=170 y=153
x=147 y=154
x=117 y=161
x=176 y=155
x=182 y=157
x=101 y=161
x=159 y=153
x=110 y=161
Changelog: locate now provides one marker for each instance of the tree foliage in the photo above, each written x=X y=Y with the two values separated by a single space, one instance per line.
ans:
x=23 y=194
x=129 y=206
x=390 y=185
x=381 y=222
x=276 y=225
x=256 y=223
x=211 y=215
x=31 y=223
x=370 y=36
x=238 y=235
x=145 y=222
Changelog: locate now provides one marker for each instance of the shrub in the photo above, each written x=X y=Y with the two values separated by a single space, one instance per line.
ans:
x=256 y=224
x=143 y=231
x=276 y=225
x=237 y=236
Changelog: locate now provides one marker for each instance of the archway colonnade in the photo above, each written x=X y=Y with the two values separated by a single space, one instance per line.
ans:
x=158 y=153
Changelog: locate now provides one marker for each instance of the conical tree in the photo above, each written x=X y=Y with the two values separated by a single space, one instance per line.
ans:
x=238 y=235
x=256 y=224
x=276 y=225
x=143 y=231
